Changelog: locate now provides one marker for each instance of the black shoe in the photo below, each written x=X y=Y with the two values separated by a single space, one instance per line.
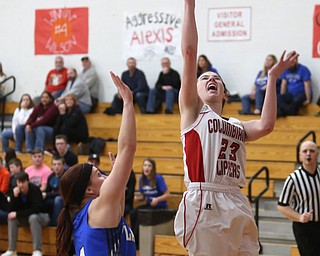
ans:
x=109 y=111
x=168 y=111
x=281 y=113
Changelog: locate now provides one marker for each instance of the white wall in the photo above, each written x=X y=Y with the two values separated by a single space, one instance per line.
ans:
x=276 y=25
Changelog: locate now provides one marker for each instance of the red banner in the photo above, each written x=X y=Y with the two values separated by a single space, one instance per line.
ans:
x=316 y=32
x=61 y=31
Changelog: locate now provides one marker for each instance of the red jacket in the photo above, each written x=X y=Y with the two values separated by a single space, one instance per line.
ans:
x=4 y=180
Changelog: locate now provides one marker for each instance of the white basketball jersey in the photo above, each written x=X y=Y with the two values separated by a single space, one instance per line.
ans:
x=214 y=150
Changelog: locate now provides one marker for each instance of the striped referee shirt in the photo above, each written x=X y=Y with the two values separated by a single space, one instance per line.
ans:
x=301 y=191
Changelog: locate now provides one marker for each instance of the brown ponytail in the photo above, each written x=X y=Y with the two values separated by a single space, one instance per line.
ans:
x=72 y=188
x=64 y=233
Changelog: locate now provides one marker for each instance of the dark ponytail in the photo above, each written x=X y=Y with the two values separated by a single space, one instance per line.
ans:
x=72 y=188
x=64 y=233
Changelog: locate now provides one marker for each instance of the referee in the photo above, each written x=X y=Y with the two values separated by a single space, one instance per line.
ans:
x=300 y=200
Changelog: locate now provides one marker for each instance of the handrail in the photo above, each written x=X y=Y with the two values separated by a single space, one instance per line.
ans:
x=254 y=200
x=301 y=140
x=13 y=88
x=4 y=97
x=257 y=198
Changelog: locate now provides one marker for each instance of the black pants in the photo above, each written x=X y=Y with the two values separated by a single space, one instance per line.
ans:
x=307 y=237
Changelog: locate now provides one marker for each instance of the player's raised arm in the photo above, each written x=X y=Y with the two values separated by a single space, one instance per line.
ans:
x=188 y=97
x=116 y=182
x=255 y=129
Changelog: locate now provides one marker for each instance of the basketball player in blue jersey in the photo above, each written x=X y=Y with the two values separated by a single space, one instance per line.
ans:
x=94 y=203
x=214 y=218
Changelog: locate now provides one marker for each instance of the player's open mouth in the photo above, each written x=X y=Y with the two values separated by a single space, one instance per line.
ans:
x=212 y=87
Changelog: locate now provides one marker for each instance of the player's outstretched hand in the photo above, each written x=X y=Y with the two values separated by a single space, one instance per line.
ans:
x=123 y=89
x=284 y=64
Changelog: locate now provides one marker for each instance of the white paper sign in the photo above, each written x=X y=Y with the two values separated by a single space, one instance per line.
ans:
x=150 y=35
x=229 y=24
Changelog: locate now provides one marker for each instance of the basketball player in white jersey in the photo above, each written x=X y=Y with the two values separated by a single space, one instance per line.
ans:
x=214 y=218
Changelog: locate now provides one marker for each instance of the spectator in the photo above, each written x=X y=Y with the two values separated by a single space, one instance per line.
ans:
x=9 y=154
x=4 y=208
x=295 y=90
x=130 y=188
x=71 y=121
x=299 y=200
x=62 y=150
x=25 y=207
x=204 y=65
x=2 y=74
x=15 y=166
x=39 y=126
x=2 y=78
x=77 y=87
x=20 y=117
x=90 y=78
x=166 y=89
x=153 y=189
x=53 y=202
x=4 y=178
x=137 y=83
x=57 y=78
x=38 y=172
x=94 y=159
x=258 y=90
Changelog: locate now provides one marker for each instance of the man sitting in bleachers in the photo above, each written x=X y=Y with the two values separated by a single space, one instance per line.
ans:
x=25 y=209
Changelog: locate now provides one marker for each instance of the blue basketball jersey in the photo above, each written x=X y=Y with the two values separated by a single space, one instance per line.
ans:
x=102 y=241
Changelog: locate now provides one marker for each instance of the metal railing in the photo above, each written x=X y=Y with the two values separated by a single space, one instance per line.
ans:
x=313 y=134
x=3 y=98
x=256 y=199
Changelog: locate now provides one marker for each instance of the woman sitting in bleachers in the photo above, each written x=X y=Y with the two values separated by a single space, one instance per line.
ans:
x=20 y=117
x=153 y=189
x=71 y=121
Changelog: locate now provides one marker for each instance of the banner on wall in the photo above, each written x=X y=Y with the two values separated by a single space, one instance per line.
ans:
x=152 y=35
x=316 y=32
x=229 y=24
x=61 y=31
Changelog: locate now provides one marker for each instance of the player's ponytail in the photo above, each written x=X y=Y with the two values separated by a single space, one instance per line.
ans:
x=72 y=188
x=64 y=232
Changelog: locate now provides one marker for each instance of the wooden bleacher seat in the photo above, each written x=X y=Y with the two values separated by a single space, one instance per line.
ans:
x=294 y=251
x=24 y=243
x=229 y=108
x=167 y=245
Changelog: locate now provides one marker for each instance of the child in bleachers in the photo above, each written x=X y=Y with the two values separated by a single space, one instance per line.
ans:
x=38 y=172
x=53 y=202
x=15 y=166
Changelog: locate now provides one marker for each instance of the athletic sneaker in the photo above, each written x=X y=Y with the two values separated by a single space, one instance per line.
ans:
x=36 y=253
x=9 y=253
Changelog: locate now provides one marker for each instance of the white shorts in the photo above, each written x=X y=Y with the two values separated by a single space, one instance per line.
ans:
x=215 y=219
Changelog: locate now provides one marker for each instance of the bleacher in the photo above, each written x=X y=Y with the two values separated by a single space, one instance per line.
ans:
x=158 y=137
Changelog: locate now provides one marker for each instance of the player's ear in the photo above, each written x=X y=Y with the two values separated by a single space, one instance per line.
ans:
x=89 y=191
